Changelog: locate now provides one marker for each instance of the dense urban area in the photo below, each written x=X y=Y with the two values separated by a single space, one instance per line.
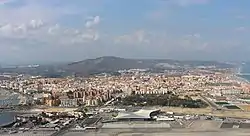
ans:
x=202 y=98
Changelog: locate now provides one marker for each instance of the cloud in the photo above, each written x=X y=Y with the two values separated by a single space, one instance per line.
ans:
x=241 y=29
x=45 y=27
x=156 y=15
x=185 y=3
x=137 y=37
x=165 y=41
x=92 y=22
x=37 y=32
x=54 y=29
x=70 y=36
x=86 y=36
x=4 y=2
x=190 y=43
x=25 y=13
x=15 y=48
x=20 y=30
x=20 y=11
x=196 y=35
x=36 y=23
x=9 y=30
x=165 y=8
x=241 y=17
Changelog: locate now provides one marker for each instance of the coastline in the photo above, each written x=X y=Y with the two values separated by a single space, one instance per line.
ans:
x=238 y=78
x=4 y=92
x=241 y=76
x=7 y=118
x=9 y=98
x=242 y=79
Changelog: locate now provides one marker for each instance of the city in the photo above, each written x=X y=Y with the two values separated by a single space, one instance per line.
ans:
x=195 y=99
x=124 y=68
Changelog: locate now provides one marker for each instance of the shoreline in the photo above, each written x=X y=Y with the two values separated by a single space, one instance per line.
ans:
x=243 y=79
x=240 y=78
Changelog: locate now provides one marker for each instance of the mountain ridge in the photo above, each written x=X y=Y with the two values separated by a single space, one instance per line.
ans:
x=111 y=64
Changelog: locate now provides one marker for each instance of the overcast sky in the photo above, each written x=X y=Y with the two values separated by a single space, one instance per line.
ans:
x=70 y=30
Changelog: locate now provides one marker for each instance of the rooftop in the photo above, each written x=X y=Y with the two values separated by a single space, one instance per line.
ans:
x=140 y=114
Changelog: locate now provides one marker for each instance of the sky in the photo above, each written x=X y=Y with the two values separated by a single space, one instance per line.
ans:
x=34 y=31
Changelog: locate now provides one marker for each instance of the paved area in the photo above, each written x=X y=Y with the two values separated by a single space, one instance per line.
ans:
x=195 y=128
x=167 y=133
x=205 y=125
x=42 y=133
x=186 y=134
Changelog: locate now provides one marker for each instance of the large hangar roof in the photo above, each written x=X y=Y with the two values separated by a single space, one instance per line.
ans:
x=141 y=114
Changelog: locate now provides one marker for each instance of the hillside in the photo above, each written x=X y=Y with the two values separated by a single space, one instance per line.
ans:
x=111 y=64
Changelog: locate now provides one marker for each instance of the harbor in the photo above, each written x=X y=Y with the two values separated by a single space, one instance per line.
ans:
x=7 y=118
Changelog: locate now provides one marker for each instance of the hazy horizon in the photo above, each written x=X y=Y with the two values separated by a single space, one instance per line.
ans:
x=45 y=31
x=71 y=61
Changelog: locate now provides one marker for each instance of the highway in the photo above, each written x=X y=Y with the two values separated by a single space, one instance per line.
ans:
x=65 y=129
x=211 y=104
x=108 y=102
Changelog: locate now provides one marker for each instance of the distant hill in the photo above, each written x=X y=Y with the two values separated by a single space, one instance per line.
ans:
x=111 y=64
x=106 y=64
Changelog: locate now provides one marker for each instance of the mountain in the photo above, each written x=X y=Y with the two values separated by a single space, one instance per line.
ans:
x=105 y=64
x=111 y=64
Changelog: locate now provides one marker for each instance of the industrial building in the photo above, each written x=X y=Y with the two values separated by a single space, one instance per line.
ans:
x=140 y=115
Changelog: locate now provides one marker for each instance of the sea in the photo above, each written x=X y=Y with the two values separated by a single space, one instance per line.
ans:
x=6 y=118
x=7 y=98
x=244 y=71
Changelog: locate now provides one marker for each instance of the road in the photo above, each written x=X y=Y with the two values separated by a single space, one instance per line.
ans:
x=86 y=121
x=211 y=104
x=64 y=129
x=108 y=102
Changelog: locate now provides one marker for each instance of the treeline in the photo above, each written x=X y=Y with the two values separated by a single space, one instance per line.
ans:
x=161 y=100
